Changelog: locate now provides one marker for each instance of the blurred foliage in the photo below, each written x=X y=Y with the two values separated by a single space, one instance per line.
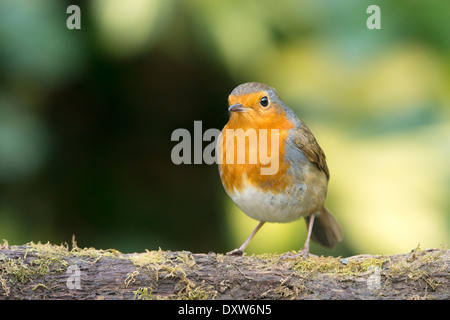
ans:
x=86 y=118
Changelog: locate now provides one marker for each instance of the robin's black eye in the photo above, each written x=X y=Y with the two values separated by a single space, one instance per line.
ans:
x=264 y=101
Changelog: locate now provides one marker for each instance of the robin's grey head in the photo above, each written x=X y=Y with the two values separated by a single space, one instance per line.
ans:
x=255 y=87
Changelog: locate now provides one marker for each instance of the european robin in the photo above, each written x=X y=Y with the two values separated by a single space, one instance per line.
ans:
x=298 y=186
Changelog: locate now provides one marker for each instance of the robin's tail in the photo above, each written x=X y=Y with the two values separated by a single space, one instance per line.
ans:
x=326 y=229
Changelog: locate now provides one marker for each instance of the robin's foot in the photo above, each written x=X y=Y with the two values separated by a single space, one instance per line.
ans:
x=235 y=252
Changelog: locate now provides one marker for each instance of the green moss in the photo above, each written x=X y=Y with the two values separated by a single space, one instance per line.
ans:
x=313 y=265
x=187 y=260
x=93 y=253
x=286 y=291
x=144 y=294
x=191 y=291
x=46 y=259
x=419 y=267
x=335 y=266
x=165 y=264
x=16 y=269
x=150 y=259
x=130 y=278
x=40 y=260
x=40 y=285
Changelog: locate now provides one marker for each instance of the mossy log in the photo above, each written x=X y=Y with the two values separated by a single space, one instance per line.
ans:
x=45 y=271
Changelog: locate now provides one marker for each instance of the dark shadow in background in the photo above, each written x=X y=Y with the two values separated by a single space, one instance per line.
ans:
x=109 y=178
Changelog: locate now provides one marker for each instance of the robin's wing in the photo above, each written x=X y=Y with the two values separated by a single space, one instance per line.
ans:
x=307 y=143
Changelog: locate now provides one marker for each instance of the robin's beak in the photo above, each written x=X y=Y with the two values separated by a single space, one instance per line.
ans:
x=237 y=107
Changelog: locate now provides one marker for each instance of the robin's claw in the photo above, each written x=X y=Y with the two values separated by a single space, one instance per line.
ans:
x=235 y=252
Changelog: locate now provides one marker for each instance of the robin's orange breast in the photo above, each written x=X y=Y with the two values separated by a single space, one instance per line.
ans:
x=296 y=189
x=235 y=175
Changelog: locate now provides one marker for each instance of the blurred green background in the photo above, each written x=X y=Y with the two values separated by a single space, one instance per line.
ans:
x=86 y=118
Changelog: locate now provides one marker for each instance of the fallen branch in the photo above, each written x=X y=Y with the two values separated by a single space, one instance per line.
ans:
x=45 y=271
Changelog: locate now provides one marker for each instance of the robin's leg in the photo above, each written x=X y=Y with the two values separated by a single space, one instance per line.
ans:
x=240 y=251
x=305 y=250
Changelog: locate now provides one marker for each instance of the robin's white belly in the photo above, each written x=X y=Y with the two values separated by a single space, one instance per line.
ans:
x=270 y=207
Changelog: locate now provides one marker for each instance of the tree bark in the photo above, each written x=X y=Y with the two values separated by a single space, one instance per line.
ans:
x=45 y=271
